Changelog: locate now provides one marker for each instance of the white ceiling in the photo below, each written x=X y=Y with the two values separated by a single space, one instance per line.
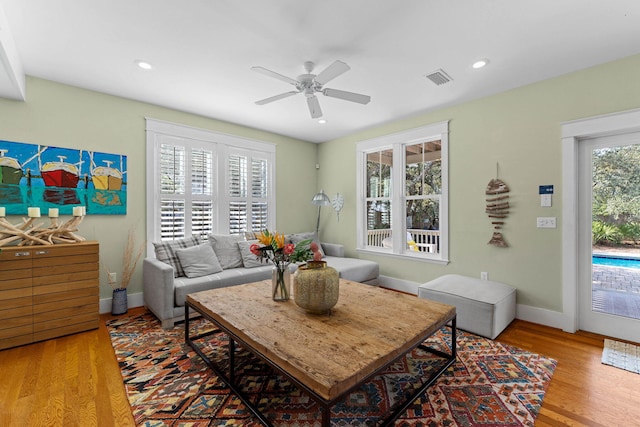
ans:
x=202 y=52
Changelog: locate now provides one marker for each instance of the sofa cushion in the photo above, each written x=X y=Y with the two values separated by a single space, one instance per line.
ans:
x=235 y=276
x=166 y=252
x=299 y=237
x=249 y=260
x=227 y=250
x=354 y=269
x=198 y=260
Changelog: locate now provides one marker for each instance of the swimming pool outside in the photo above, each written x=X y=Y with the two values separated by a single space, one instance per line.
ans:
x=616 y=261
x=616 y=288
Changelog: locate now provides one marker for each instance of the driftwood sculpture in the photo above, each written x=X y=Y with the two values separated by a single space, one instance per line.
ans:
x=29 y=233
x=497 y=209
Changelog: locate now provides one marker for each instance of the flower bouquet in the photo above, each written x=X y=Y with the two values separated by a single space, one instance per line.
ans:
x=281 y=254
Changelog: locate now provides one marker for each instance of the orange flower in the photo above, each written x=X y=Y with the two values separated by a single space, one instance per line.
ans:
x=265 y=238
x=279 y=241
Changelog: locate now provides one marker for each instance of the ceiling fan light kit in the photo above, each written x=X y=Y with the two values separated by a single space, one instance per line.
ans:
x=309 y=84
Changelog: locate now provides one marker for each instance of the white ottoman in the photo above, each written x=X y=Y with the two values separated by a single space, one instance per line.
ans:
x=483 y=307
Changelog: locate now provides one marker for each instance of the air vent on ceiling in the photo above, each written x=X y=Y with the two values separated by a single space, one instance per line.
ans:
x=439 y=77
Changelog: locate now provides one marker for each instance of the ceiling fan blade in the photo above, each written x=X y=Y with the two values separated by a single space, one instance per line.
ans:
x=331 y=72
x=347 y=96
x=314 y=106
x=275 y=75
x=277 y=97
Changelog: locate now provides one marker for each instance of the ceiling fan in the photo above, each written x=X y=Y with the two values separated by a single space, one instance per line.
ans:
x=310 y=84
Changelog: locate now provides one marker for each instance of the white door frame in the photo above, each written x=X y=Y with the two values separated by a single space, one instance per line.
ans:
x=572 y=133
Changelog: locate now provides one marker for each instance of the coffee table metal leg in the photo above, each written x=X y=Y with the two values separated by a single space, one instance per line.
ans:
x=449 y=360
x=326 y=415
x=228 y=380
x=186 y=323
x=232 y=360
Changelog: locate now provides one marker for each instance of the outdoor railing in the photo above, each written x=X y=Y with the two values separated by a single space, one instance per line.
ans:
x=426 y=240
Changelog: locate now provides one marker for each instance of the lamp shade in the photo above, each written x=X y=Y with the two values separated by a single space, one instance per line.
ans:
x=321 y=199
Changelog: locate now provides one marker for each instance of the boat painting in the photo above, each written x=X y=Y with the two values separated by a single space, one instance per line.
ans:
x=60 y=174
x=53 y=177
x=10 y=169
x=106 y=177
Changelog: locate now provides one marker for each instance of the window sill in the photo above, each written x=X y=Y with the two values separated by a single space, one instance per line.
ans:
x=405 y=256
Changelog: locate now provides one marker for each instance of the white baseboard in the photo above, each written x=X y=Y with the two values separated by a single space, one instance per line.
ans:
x=398 y=284
x=133 y=300
x=541 y=316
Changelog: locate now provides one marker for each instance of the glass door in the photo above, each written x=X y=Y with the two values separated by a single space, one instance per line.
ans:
x=609 y=236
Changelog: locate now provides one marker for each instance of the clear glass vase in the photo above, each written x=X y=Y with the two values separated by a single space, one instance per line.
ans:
x=281 y=283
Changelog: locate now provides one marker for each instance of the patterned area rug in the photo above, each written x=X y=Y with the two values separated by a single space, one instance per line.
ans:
x=490 y=385
x=621 y=355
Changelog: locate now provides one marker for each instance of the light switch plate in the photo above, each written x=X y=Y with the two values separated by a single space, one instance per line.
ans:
x=545 y=200
x=546 y=222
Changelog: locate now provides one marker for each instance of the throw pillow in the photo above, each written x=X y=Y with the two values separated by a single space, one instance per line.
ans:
x=227 y=250
x=166 y=252
x=249 y=260
x=299 y=237
x=198 y=260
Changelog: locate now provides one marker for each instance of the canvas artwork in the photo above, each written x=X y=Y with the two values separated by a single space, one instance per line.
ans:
x=53 y=177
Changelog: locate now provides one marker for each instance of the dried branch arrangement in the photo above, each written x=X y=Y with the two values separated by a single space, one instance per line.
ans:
x=130 y=258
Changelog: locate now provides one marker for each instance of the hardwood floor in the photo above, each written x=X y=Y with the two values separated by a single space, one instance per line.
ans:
x=69 y=381
x=75 y=381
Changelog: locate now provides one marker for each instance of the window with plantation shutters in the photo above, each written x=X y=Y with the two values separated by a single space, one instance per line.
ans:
x=202 y=182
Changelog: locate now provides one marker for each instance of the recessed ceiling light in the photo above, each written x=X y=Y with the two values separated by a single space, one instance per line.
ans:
x=481 y=63
x=143 y=64
x=322 y=121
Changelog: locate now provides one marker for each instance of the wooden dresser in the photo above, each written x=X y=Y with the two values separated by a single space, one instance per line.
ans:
x=48 y=292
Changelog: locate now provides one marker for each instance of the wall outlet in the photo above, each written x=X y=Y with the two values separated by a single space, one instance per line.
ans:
x=113 y=277
x=484 y=275
x=546 y=222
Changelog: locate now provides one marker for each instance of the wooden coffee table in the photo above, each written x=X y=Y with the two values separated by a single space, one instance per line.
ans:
x=329 y=355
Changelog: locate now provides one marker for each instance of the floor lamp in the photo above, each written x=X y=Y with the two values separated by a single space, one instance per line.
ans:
x=320 y=200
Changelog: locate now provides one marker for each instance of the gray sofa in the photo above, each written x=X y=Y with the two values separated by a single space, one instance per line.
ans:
x=165 y=294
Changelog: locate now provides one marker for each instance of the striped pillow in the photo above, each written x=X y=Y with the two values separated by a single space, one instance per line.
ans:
x=166 y=252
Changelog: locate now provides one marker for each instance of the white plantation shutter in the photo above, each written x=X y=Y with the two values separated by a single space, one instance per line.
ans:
x=259 y=216
x=201 y=218
x=241 y=178
x=172 y=219
x=201 y=192
x=172 y=185
x=186 y=207
x=172 y=168
x=201 y=172
x=202 y=182
x=260 y=193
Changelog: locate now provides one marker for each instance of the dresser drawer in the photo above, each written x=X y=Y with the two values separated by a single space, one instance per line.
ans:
x=48 y=291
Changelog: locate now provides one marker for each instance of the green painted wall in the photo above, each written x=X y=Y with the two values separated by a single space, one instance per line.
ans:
x=519 y=130
x=65 y=116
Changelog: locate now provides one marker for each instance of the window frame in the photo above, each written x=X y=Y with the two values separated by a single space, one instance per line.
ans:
x=397 y=142
x=221 y=144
